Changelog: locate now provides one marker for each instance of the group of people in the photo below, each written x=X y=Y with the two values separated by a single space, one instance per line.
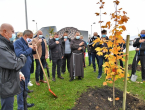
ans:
x=17 y=58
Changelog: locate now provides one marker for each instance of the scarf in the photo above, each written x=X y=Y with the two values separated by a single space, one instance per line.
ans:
x=7 y=42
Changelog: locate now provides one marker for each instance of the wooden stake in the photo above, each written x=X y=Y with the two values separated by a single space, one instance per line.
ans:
x=126 y=72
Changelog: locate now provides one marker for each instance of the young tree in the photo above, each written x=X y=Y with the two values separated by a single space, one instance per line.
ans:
x=111 y=67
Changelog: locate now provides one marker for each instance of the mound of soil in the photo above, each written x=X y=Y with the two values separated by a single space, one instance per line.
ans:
x=138 y=67
x=97 y=99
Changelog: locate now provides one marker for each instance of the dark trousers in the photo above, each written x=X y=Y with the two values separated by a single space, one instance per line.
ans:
x=84 y=62
x=94 y=55
x=54 y=63
x=101 y=58
x=7 y=103
x=20 y=100
x=66 y=58
x=39 y=71
x=134 y=65
x=90 y=58
x=121 y=63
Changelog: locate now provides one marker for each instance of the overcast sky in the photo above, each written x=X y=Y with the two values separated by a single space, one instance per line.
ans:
x=69 y=13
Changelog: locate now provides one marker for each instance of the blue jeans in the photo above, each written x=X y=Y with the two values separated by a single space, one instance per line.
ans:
x=101 y=58
x=39 y=71
x=94 y=55
x=7 y=103
x=90 y=58
x=20 y=100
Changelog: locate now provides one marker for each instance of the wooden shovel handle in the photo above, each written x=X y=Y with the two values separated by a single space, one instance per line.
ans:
x=43 y=69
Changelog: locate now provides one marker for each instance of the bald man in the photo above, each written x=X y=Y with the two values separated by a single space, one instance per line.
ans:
x=10 y=66
x=40 y=41
x=139 y=43
x=93 y=51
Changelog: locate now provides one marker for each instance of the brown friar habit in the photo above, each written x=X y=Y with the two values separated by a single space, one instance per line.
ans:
x=76 y=62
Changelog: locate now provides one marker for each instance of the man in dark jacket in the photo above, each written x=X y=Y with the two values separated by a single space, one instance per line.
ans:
x=67 y=52
x=93 y=51
x=102 y=57
x=10 y=66
x=57 y=53
x=139 y=43
x=21 y=47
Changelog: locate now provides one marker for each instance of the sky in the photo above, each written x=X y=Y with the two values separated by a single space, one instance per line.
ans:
x=69 y=13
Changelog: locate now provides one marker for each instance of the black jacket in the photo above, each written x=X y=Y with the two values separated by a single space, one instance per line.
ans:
x=63 y=43
x=91 y=43
x=141 y=46
x=10 y=66
x=57 y=50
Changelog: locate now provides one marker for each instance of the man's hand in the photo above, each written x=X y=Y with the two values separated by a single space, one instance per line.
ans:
x=40 y=40
x=34 y=47
x=137 y=49
x=82 y=43
x=21 y=76
x=65 y=39
x=62 y=57
x=122 y=48
x=31 y=46
x=57 y=42
x=104 y=51
x=141 y=40
x=80 y=48
x=46 y=56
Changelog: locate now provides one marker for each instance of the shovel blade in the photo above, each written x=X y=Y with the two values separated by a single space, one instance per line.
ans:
x=133 y=78
x=52 y=92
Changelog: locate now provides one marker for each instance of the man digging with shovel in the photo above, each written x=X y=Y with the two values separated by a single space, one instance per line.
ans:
x=139 y=43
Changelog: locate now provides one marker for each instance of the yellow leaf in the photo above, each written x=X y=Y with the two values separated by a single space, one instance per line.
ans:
x=104 y=84
x=110 y=99
x=100 y=53
x=117 y=98
x=98 y=49
x=110 y=82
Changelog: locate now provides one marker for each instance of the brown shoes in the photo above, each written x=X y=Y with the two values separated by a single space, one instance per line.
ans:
x=43 y=81
x=37 y=83
x=60 y=77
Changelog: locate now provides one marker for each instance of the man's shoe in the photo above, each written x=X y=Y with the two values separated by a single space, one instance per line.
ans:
x=143 y=80
x=30 y=84
x=89 y=65
x=60 y=77
x=29 y=91
x=62 y=72
x=71 y=79
x=43 y=81
x=94 y=70
x=37 y=83
x=30 y=105
x=99 y=77
x=79 y=78
x=53 y=79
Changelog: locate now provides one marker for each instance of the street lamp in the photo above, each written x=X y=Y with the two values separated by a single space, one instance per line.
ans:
x=36 y=25
x=26 y=14
x=91 y=29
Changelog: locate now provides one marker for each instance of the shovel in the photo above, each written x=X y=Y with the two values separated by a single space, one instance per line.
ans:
x=25 y=96
x=133 y=76
x=45 y=75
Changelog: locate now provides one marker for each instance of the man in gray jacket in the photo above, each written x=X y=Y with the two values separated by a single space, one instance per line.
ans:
x=10 y=66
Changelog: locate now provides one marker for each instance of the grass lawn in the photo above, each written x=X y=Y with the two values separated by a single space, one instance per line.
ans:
x=68 y=92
